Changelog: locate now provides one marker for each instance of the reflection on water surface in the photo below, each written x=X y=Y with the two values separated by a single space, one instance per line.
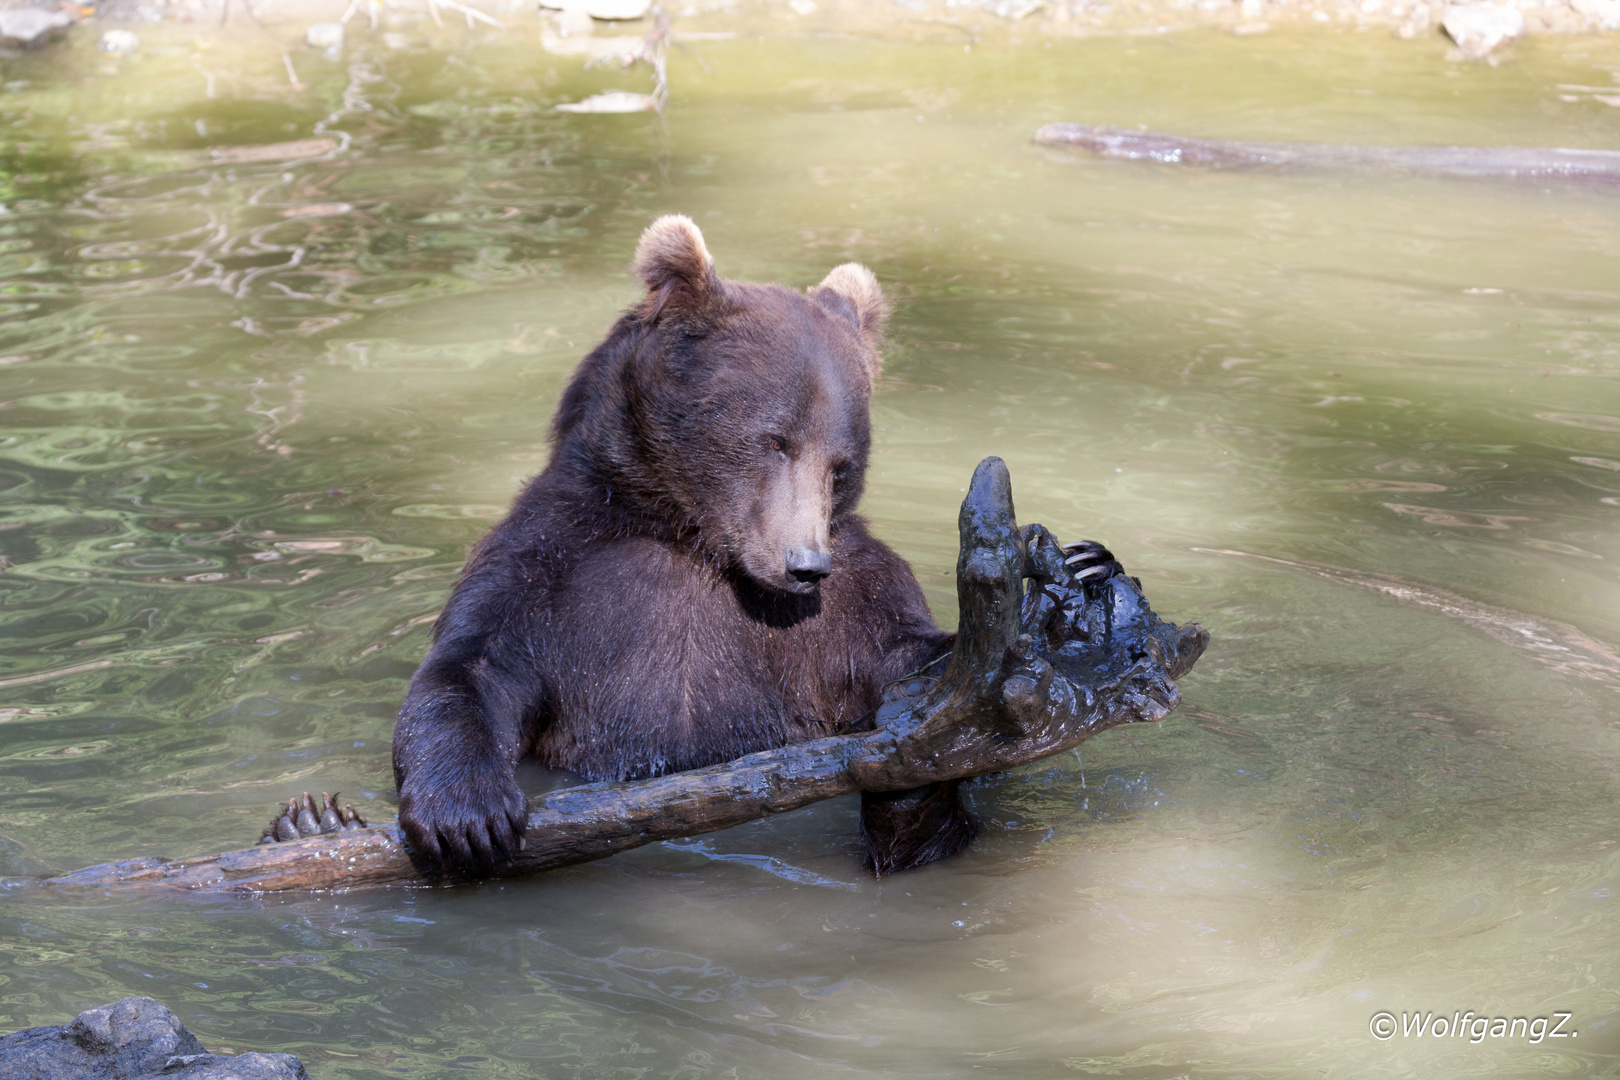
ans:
x=273 y=359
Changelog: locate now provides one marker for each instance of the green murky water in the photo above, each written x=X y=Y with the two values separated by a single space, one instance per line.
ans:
x=256 y=405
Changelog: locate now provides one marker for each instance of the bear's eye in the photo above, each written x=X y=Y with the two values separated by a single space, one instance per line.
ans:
x=840 y=470
x=777 y=444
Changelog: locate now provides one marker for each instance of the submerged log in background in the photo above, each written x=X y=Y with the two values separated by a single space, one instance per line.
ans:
x=1479 y=162
x=1033 y=673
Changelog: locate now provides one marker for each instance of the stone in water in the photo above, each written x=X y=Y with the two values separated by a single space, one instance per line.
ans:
x=119 y=42
x=614 y=101
x=30 y=27
x=325 y=35
x=130 y=1039
x=1604 y=13
x=606 y=10
x=1015 y=9
x=1480 y=28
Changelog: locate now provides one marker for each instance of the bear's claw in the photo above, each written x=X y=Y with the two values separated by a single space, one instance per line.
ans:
x=1088 y=562
x=305 y=817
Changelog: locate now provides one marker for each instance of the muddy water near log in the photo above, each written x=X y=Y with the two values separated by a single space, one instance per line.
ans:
x=259 y=398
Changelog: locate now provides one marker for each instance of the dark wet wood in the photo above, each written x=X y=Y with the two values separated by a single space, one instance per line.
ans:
x=1034 y=673
x=1480 y=162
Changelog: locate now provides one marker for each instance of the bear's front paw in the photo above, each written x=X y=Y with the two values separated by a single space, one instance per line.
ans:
x=472 y=823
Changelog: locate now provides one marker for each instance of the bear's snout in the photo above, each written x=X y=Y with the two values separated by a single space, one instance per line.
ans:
x=807 y=567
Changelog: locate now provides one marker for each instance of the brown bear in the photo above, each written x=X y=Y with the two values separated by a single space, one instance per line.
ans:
x=687 y=581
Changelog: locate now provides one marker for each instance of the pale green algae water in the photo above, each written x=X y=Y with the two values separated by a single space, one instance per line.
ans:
x=1366 y=429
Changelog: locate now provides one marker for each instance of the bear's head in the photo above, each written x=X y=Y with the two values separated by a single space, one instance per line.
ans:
x=737 y=413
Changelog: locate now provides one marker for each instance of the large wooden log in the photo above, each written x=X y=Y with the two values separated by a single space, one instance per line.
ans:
x=1033 y=673
x=1536 y=164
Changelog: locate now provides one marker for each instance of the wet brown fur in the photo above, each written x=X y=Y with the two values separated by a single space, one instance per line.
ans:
x=632 y=615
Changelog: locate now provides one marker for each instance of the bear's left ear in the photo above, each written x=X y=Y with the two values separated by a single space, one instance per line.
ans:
x=853 y=292
x=674 y=262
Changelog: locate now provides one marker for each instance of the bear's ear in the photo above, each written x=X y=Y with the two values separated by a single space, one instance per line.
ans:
x=853 y=292
x=674 y=262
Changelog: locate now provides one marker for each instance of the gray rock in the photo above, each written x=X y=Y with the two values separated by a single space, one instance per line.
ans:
x=1014 y=9
x=1479 y=28
x=132 y=1039
x=1602 y=14
x=32 y=27
x=120 y=42
x=606 y=10
x=325 y=35
x=1416 y=23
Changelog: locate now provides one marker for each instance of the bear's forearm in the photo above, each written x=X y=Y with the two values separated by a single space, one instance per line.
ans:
x=455 y=745
x=449 y=721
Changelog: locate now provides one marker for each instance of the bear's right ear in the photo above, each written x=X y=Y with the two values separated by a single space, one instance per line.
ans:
x=674 y=262
x=854 y=292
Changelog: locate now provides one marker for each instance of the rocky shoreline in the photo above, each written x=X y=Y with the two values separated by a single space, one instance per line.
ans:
x=1477 y=28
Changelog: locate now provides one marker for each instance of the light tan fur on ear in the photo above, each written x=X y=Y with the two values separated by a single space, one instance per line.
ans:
x=674 y=262
x=856 y=284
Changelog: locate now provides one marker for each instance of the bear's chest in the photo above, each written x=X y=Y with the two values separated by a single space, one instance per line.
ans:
x=657 y=665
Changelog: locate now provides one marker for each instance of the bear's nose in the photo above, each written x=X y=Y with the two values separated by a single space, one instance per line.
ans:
x=808 y=567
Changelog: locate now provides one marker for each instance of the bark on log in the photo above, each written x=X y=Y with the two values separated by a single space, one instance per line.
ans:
x=1478 y=162
x=1034 y=673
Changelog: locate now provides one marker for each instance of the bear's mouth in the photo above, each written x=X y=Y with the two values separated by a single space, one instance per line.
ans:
x=781 y=602
x=799 y=588
x=775 y=577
